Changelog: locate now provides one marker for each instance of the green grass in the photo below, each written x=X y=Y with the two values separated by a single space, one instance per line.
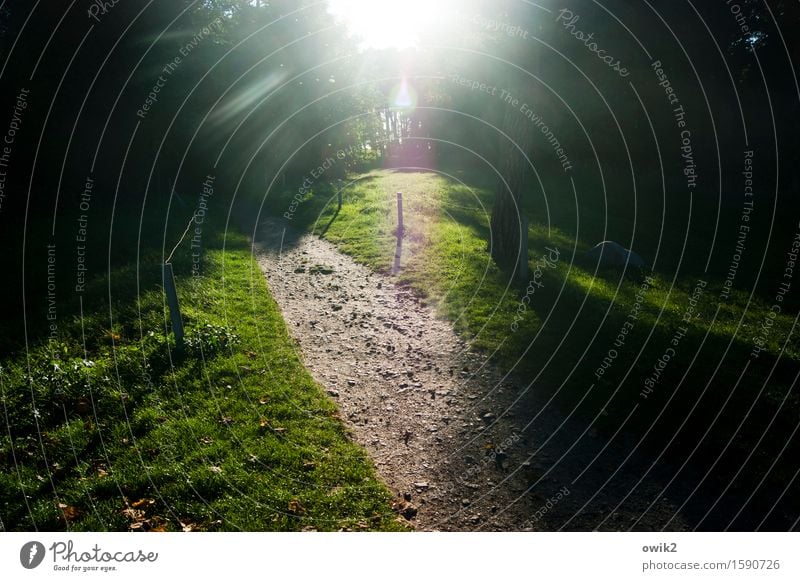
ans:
x=445 y=257
x=571 y=322
x=232 y=434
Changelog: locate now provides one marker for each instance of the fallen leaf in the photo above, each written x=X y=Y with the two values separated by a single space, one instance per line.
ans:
x=133 y=514
x=70 y=513
x=295 y=507
x=157 y=525
x=216 y=469
x=143 y=503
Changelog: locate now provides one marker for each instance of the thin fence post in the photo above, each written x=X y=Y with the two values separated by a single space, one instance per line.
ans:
x=174 y=308
x=400 y=227
x=522 y=266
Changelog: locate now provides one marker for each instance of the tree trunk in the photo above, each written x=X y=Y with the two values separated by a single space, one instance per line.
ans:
x=506 y=223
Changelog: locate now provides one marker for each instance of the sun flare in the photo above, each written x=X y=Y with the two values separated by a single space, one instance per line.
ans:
x=383 y=24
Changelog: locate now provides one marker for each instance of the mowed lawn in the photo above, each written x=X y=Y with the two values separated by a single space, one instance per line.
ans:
x=130 y=434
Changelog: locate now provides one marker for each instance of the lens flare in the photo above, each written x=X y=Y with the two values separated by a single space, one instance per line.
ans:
x=403 y=97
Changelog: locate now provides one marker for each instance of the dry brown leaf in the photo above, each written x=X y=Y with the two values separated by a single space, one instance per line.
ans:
x=133 y=514
x=158 y=525
x=69 y=513
x=295 y=507
x=143 y=503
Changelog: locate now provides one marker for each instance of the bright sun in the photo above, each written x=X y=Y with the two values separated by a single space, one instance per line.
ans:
x=391 y=23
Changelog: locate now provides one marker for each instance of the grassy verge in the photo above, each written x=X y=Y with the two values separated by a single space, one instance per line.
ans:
x=112 y=429
x=711 y=391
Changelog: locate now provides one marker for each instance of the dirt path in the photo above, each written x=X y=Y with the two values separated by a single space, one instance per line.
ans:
x=453 y=441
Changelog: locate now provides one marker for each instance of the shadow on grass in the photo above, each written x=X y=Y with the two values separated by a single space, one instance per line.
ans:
x=717 y=424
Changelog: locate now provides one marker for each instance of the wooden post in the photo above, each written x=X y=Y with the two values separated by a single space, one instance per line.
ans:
x=400 y=227
x=174 y=308
x=522 y=264
x=339 y=194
